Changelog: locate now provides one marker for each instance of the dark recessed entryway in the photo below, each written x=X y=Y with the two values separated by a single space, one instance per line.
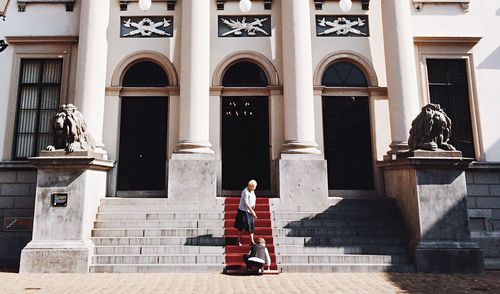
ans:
x=347 y=139
x=245 y=142
x=143 y=143
x=347 y=131
x=245 y=130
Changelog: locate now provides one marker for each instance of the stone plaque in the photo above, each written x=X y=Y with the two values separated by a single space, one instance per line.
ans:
x=19 y=224
x=342 y=26
x=244 y=26
x=146 y=27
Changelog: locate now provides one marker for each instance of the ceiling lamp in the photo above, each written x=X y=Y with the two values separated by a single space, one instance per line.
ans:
x=245 y=5
x=144 y=5
x=345 y=5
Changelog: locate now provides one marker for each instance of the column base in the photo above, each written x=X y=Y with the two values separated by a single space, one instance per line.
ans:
x=397 y=147
x=296 y=147
x=303 y=180
x=191 y=147
x=192 y=179
x=55 y=257
x=449 y=257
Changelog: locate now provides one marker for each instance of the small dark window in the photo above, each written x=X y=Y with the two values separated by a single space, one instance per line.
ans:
x=344 y=74
x=145 y=74
x=245 y=74
x=38 y=101
x=448 y=87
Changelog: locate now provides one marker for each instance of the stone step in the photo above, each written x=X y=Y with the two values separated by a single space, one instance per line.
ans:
x=147 y=201
x=178 y=224
x=163 y=249
x=339 y=241
x=353 y=249
x=318 y=209
x=341 y=232
x=157 y=208
x=151 y=232
x=206 y=240
x=338 y=224
x=155 y=268
x=159 y=259
x=343 y=259
x=162 y=216
x=345 y=268
x=339 y=215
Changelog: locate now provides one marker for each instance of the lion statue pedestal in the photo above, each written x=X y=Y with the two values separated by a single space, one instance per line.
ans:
x=71 y=181
x=428 y=183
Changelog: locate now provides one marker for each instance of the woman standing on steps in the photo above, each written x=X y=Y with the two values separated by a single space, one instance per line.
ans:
x=246 y=213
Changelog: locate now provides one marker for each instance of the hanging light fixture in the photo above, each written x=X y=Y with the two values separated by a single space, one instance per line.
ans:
x=245 y=5
x=345 y=5
x=144 y=5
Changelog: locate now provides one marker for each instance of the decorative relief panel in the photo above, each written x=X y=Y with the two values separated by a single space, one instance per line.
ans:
x=342 y=26
x=244 y=26
x=146 y=27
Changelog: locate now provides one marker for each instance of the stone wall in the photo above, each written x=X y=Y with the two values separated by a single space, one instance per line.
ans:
x=483 y=200
x=17 y=198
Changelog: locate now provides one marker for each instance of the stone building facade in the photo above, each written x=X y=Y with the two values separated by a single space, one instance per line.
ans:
x=316 y=100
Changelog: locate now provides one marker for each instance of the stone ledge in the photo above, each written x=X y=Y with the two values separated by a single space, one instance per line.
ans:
x=426 y=162
x=484 y=166
x=76 y=160
x=16 y=166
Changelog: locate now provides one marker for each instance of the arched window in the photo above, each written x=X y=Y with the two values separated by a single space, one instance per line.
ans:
x=245 y=74
x=145 y=74
x=344 y=74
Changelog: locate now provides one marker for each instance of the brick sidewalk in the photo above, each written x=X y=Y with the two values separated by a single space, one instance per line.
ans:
x=218 y=283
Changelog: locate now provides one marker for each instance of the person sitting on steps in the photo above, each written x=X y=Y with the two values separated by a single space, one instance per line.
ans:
x=258 y=257
x=246 y=212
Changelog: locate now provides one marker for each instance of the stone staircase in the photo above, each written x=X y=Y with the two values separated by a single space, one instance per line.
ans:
x=151 y=235
x=350 y=236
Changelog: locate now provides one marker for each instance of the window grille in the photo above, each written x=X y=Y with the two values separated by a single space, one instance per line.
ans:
x=38 y=101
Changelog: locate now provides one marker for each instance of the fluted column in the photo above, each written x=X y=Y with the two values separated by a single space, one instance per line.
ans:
x=401 y=71
x=194 y=78
x=298 y=78
x=91 y=65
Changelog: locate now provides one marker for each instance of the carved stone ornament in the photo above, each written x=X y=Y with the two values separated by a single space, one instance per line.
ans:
x=245 y=26
x=431 y=130
x=342 y=26
x=147 y=27
x=69 y=131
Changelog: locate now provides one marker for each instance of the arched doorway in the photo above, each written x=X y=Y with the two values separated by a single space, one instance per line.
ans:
x=245 y=129
x=347 y=130
x=143 y=132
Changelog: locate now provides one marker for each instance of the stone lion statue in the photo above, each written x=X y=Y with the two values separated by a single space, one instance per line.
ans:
x=431 y=130
x=69 y=131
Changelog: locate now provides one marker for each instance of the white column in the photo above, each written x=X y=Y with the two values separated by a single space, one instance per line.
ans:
x=401 y=71
x=194 y=78
x=298 y=78
x=91 y=66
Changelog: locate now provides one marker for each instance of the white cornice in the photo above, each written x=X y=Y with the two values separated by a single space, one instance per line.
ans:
x=419 y=3
x=40 y=39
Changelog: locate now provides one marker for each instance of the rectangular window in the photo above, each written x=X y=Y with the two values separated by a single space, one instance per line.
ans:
x=449 y=87
x=39 y=97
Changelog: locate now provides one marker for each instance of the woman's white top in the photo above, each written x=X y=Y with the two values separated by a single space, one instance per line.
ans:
x=247 y=198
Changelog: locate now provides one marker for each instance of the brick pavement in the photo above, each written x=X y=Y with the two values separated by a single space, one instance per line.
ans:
x=219 y=283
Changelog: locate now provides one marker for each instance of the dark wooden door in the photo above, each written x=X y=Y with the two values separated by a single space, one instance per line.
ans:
x=347 y=142
x=143 y=141
x=449 y=87
x=245 y=142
